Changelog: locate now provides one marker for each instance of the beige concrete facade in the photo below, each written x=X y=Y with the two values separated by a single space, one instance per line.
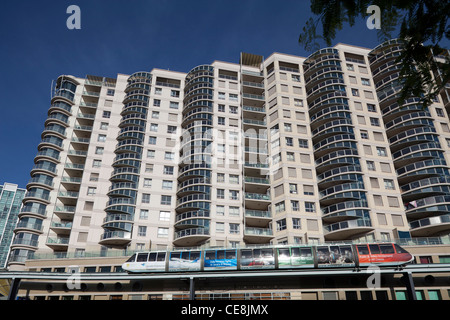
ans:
x=280 y=150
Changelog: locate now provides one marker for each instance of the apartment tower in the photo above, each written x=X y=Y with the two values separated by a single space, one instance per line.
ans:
x=279 y=150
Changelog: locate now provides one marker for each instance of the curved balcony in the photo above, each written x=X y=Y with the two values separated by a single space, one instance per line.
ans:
x=115 y=238
x=347 y=229
x=65 y=212
x=429 y=227
x=191 y=237
x=427 y=206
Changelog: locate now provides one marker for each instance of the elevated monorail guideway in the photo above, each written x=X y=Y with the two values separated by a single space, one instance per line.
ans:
x=193 y=277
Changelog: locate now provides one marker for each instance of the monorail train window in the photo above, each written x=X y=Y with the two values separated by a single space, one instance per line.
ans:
x=374 y=249
x=185 y=255
x=323 y=254
x=220 y=254
x=161 y=256
x=230 y=254
x=210 y=255
x=267 y=253
x=195 y=255
x=305 y=252
x=400 y=249
x=284 y=252
x=246 y=254
x=175 y=255
x=131 y=259
x=362 y=249
x=152 y=256
x=142 y=257
x=386 y=248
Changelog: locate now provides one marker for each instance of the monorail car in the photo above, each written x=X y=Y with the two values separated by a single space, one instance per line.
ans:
x=285 y=257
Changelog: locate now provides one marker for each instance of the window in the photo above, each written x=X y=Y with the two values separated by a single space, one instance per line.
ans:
x=152 y=140
x=147 y=183
x=234 y=195
x=280 y=207
x=169 y=155
x=234 y=228
x=164 y=216
x=389 y=184
x=155 y=114
x=381 y=152
x=175 y=93
x=293 y=188
x=310 y=207
x=220 y=194
x=221 y=120
x=295 y=77
x=168 y=170
x=107 y=114
x=234 y=179
x=370 y=165
x=298 y=102
x=91 y=191
x=233 y=109
x=101 y=138
x=150 y=154
x=167 y=184
x=355 y=92
x=289 y=142
x=221 y=108
x=143 y=214
x=166 y=200
x=171 y=129
x=154 y=127
x=234 y=211
x=365 y=82
x=375 y=122
x=220 y=148
x=220 y=210
x=287 y=127
x=364 y=134
x=290 y=156
x=145 y=198
x=220 y=227
x=296 y=223
x=96 y=163
x=221 y=177
x=158 y=90
x=173 y=105
x=110 y=92
x=148 y=167
x=302 y=143
x=233 y=97
x=281 y=225
x=163 y=232
x=104 y=126
x=221 y=95
x=350 y=67
x=156 y=102
x=99 y=150
x=371 y=107
x=142 y=231
x=439 y=112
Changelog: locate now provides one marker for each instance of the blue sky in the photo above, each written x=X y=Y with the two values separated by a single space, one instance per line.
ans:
x=125 y=37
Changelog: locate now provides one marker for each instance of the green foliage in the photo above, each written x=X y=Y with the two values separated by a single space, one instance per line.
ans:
x=423 y=25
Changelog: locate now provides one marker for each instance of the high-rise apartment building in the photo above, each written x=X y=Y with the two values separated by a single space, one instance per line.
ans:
x=10 y=202
x=279 y=150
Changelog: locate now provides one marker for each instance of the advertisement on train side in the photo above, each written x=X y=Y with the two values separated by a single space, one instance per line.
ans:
x=220 y=260
x=185 y=261
x=335 y=256
x=295 y=258
x=257 y=259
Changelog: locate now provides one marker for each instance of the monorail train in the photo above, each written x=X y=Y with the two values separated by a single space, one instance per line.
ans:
x=285 y=257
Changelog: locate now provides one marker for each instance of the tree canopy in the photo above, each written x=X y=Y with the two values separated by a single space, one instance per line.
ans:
x=423 y=26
